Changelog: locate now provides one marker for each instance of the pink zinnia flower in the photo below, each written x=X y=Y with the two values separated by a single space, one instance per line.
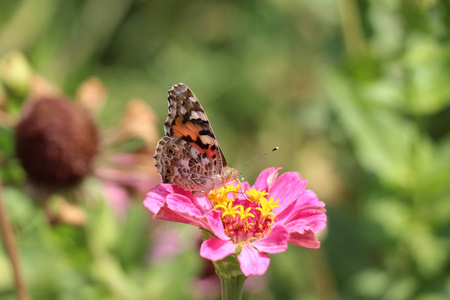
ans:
x=247 y=221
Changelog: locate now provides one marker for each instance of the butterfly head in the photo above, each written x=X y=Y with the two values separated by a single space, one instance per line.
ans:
x=229 y=175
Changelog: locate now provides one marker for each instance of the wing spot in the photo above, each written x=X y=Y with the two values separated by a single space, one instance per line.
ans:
x=194 y=115
x=199 y=115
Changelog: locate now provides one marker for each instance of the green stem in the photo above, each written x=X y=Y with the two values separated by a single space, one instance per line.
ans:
x=352 y=28
x=232 y=287
x=231 y=277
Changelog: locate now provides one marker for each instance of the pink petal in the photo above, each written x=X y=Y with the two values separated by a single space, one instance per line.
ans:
x=266 y=179
x=306 y=199
x=215 y=249
x=308 y=239
x=309 y=198
x=298 y=225
x=117 y=196
x=171 y=203
x=183 y=204
x=253 y=262
x=313 y=218
x=288 y=188
x=275 y=242
x=166 y=244
x=156 y=198
x=161 y=191
x=214 y=220
x=174 y=216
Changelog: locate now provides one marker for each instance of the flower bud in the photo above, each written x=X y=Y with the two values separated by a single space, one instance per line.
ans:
x=15 y=72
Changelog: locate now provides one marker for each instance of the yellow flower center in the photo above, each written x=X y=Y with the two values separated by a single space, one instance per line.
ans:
x=246 y=214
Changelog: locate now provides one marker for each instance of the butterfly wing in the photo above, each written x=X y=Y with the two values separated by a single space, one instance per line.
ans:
x=189 y=154
x=187 y=120
x=179 y=162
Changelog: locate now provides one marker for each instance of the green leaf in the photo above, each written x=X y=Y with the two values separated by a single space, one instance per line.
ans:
x=370 y=283
x=383 y=141
x=427 y=65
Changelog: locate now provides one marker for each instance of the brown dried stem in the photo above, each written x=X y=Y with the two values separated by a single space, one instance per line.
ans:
x=11 y=250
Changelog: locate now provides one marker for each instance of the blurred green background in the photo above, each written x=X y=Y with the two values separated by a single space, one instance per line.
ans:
x=355 y=93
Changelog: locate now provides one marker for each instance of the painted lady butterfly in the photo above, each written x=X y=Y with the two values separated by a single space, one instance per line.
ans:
x=189 y=154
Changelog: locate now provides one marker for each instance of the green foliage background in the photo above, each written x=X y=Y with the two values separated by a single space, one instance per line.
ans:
x=355 y=93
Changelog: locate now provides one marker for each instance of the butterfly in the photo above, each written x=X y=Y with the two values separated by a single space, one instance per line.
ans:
x=189 y=155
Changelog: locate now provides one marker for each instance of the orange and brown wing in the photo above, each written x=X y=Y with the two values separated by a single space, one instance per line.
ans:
x=187 y=120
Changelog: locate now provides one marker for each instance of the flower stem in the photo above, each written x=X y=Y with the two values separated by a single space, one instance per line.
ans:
x=231 y=277
x=10 y=246
x=232 y=287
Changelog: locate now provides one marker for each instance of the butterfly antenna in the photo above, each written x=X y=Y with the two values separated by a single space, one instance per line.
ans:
x=259 y=156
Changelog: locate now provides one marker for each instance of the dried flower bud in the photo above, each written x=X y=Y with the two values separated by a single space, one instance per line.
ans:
x=139 y=122
x=91 y=94
x=56 y=142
